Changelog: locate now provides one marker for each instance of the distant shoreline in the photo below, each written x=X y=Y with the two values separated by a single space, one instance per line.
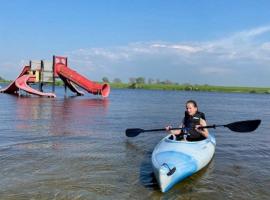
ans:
x=183 y=87
x=189 y=87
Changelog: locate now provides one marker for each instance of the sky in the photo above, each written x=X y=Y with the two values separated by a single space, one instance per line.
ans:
x=224 y=42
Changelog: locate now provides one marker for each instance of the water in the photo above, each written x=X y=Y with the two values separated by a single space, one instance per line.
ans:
x=76 y=148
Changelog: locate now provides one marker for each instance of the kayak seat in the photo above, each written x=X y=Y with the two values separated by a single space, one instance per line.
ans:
x=181 y=137
x=195 y=139
x=176 y=137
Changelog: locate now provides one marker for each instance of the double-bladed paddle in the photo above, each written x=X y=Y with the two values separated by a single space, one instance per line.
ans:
x=240 y=126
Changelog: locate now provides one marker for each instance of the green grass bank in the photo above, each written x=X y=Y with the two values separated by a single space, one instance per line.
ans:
x=188 y=87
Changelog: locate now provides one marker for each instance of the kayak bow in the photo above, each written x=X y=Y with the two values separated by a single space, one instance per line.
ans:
x=173 y=160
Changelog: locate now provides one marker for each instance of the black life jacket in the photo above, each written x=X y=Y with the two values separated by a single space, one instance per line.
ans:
x=191 y=122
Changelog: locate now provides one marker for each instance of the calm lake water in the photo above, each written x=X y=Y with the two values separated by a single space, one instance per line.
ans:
x=76 y=148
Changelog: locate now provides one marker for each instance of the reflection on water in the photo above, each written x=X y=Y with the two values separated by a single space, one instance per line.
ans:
x=76 y=148
x=65 y=116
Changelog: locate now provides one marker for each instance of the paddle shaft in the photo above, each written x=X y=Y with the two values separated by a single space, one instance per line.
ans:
x=213 y=126
x=240 y=126
x=171 y=129
x=162 y=129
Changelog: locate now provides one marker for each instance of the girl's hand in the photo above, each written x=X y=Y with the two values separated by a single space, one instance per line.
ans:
x=198 y=128
x=168 y=128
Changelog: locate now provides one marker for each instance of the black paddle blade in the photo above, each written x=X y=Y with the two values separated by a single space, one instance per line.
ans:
x=244 y=126
x=132 y=132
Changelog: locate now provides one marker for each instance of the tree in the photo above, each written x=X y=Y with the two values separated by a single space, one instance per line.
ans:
x=117 y=80
x=132 y=80
x=150 y=81
x=167 y=82
x=140 y=80
x=105 y=80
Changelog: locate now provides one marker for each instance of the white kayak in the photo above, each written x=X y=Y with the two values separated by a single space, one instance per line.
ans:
x=173 y=160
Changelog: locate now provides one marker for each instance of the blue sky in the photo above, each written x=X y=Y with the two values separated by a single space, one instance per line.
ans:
x=205 y=42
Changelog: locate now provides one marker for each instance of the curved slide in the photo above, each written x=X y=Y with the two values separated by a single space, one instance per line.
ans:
x=69 y=75
x=12 y=88
x=21 y=83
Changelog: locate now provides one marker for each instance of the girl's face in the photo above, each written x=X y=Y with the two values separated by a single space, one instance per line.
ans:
x=191 y=109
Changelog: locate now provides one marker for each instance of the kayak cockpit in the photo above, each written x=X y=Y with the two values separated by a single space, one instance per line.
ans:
x=173 y=139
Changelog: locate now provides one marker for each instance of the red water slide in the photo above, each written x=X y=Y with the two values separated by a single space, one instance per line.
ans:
x=21 y=83
x=12 y=88
x=71 y=86
x=61 y=70
x=67 y=74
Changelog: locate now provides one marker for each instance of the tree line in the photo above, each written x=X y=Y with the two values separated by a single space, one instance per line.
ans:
x=140 y=80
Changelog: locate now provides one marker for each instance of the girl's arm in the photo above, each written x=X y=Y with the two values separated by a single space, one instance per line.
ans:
x=174 y=132
x=204 y=131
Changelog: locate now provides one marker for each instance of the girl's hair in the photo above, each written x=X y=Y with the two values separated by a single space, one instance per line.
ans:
x=192 y=102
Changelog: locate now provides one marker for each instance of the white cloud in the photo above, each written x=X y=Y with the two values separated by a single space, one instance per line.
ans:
x=237 y=58
x=216 y=71
x=253 y=32
x=241 y=55
x=183 y=48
